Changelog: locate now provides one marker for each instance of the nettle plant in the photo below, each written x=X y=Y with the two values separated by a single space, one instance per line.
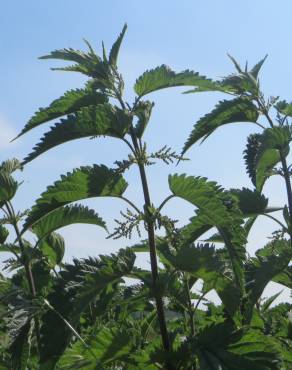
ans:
x=83 y=315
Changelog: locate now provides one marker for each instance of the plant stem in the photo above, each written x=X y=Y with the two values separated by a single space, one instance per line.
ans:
x=153 y=255
x=190 y=306
x=151 y=238
x=26 y=264
x=288 y=185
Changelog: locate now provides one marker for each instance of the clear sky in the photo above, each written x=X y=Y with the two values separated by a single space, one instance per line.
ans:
x=184 y=34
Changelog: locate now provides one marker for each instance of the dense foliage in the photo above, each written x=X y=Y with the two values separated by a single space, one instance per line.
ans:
x=82 y=315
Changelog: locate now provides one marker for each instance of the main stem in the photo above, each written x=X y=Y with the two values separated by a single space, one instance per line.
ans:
x=152 y=244
x=153 y=254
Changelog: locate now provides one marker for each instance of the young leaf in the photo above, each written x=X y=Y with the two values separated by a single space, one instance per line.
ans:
x=272 y=140
x=53 y=248
x=70 y=102
x=284 y=108
x=227 y=111
x=8 y=187
x=113 y=56
x=65 y=216
x=3 y=234
x=250 y=155
x=100 y=120
x=163 y=77
x=10 y=166
x=89 y=64
x=143 y=112
x=82 y=183
x=257 y=67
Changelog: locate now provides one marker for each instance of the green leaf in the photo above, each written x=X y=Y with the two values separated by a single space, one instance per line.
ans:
x=20 y=348
x=82 y=183
x=272 y=141
x=200 y=260
x=284 y=108
x=88 y=63
x=143 y=111
x=113 y=55
x=251 y=202
x=10 y=166
x=218 y=207
x=70 y=102
x=101 y=120
x=78 y=286
x=221 y=346
x=257 y=67
x=250 y=156
x=64 y=216
x=8 y=187
x=225 y=112
x=9 y=248
x=269 y=262
x=53 y=248
x=107 y=346
x=3 y=234
x=163 y=77
x=266 y=305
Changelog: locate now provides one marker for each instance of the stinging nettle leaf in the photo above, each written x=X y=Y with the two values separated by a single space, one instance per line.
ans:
x=163 y=77
x=250 y=154
x=100 y=120
x=143 y=111
x=225 y=112
x=64 y=216
x=8 y=187
x=53 y=248
x=272 y=141
x=70 y=102
x=219 y=210
x=113 y=55
x=82 y=183
x=257 y=67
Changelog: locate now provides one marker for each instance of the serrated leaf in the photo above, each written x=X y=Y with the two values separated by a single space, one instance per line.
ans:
x=113 y=55
x=257 y=67
x=20 y=348
x=82 y=183
x=70 y=102
x=78 y=286
x=250 y=154
x=10 y=166
x=163 y=77
x=217 y=206
x=100 y=120
x=53 y=248
x=270 y=261
x=224 y=347
x=284 y=108
x=8 y=187
x=250 y=202
x=225 y=112
x=89 y=63
x=64 y=216
x=108 y=345
x=3 y=234
x=272 y=141
x=143 y=112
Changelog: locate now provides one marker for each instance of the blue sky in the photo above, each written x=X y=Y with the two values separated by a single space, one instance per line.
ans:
x=183 y=34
